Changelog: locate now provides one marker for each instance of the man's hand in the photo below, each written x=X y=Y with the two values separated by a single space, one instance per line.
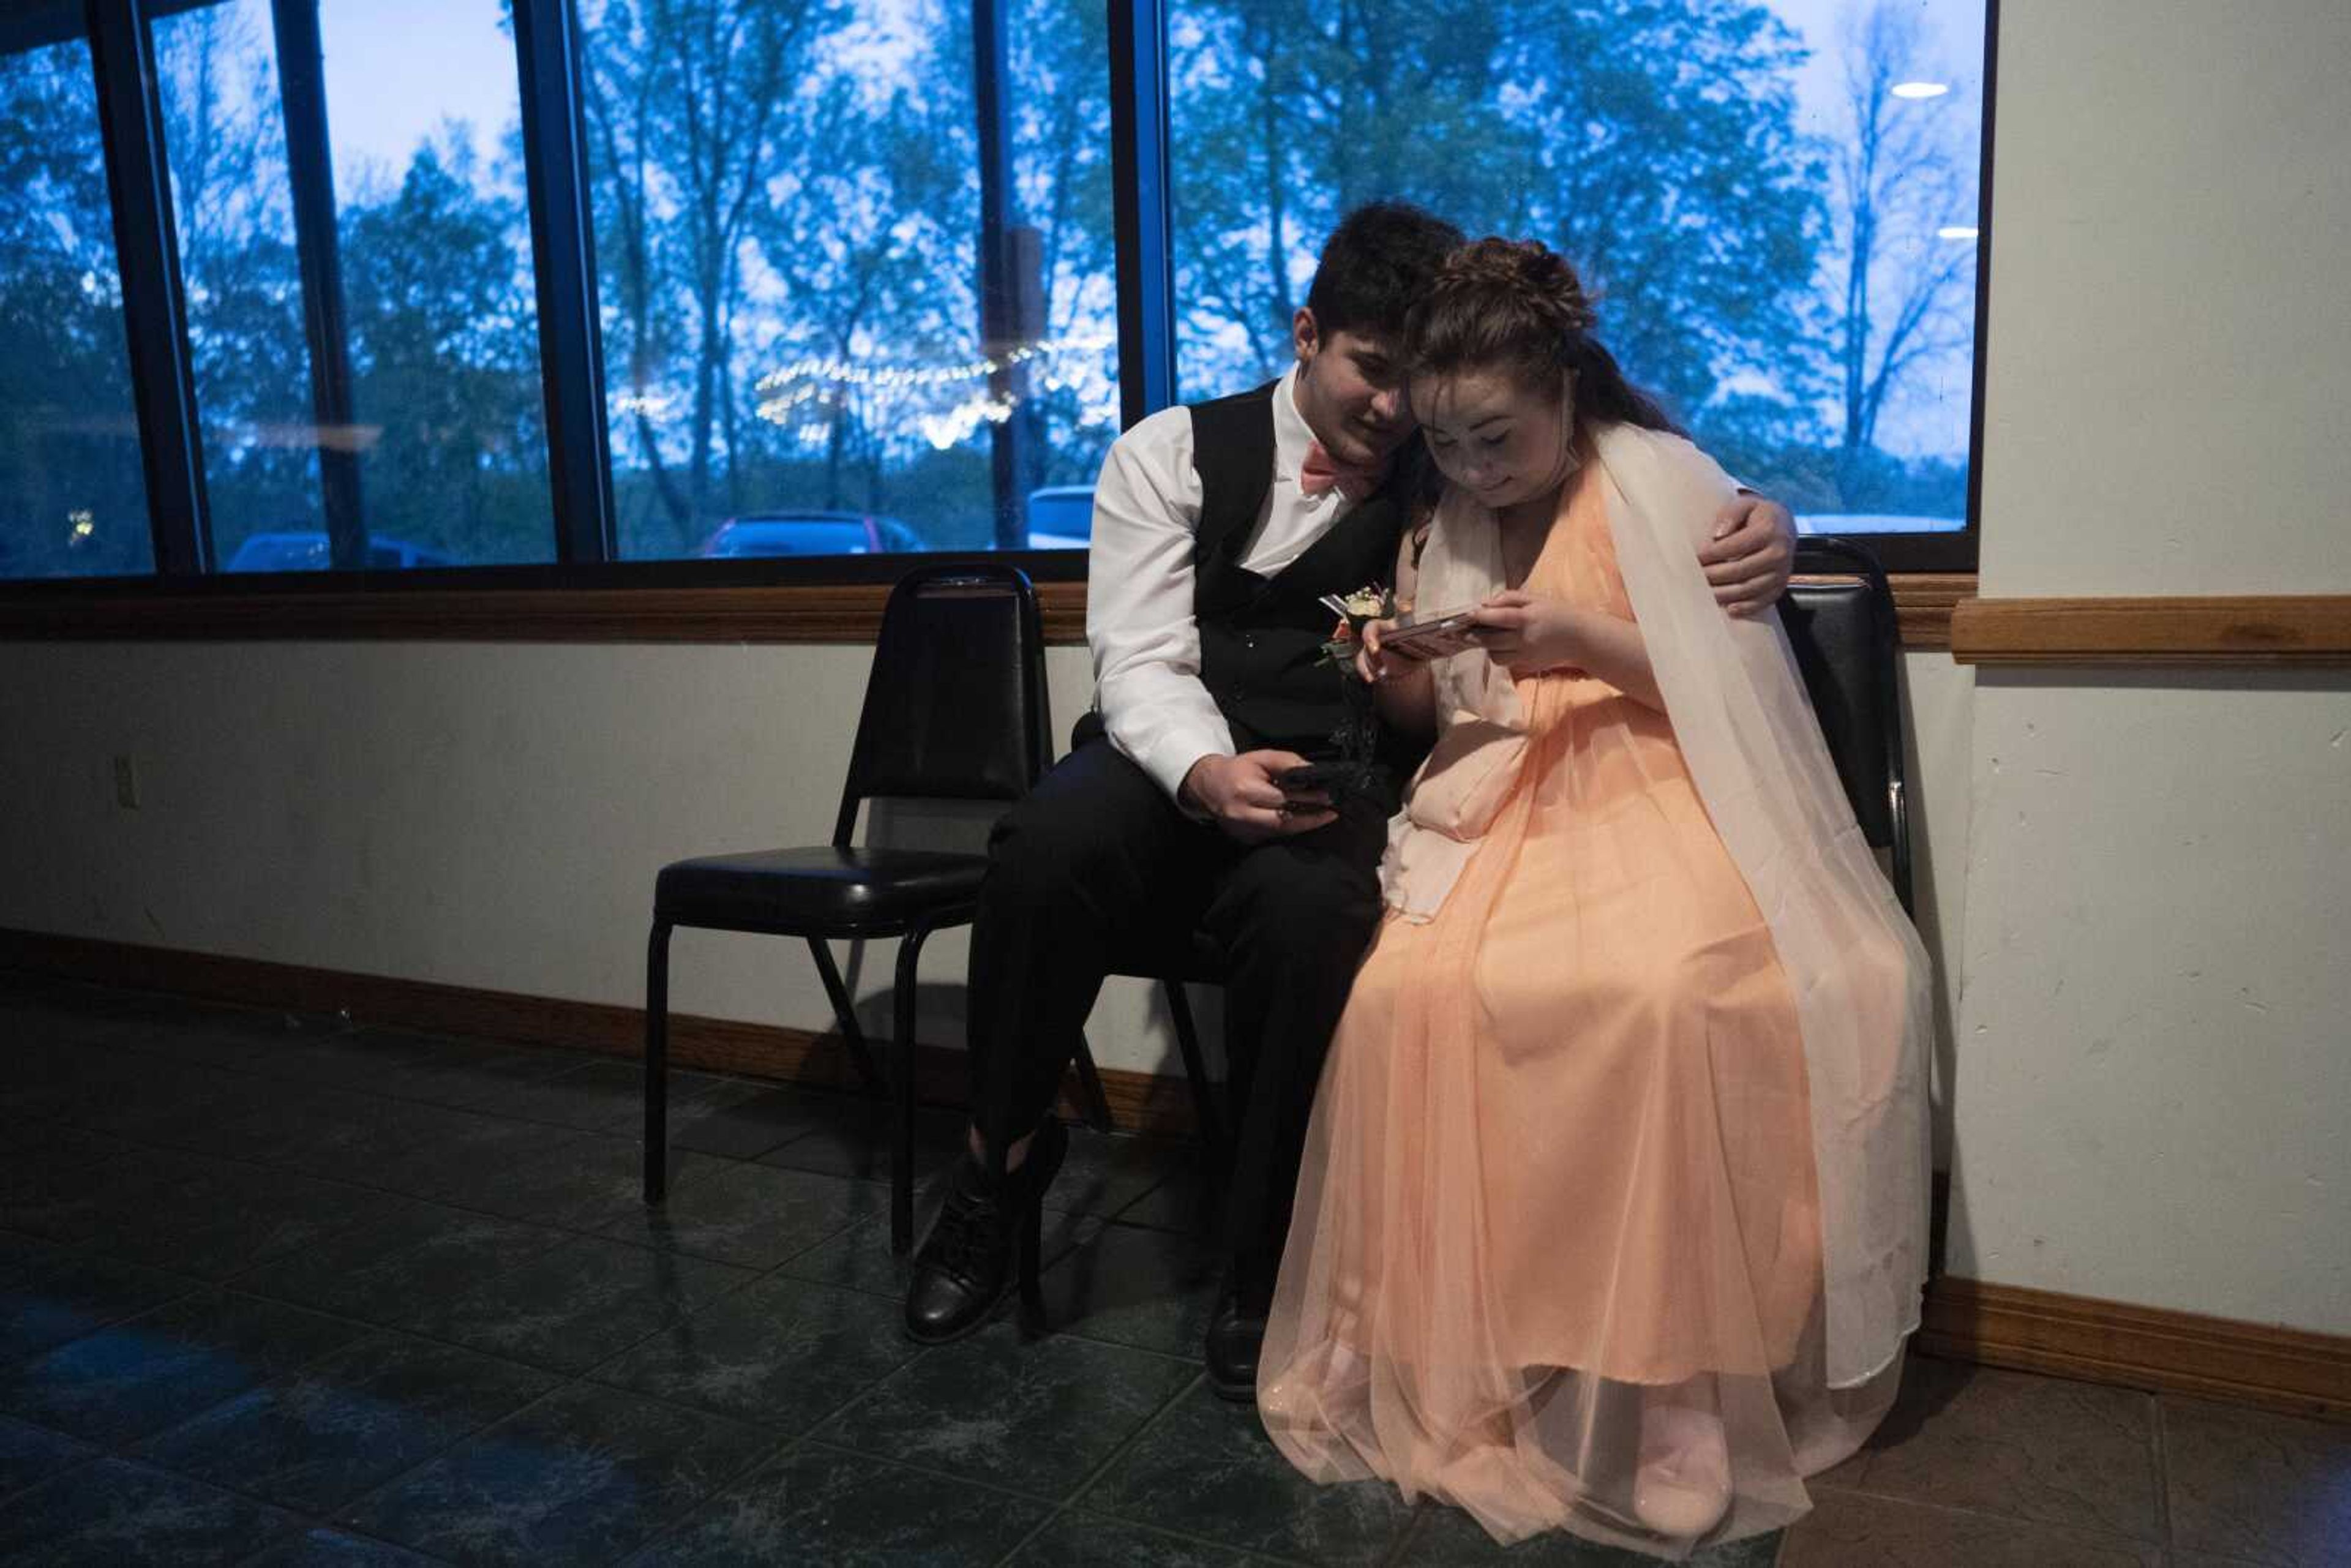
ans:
x=1242 y=796
x=1750 y=555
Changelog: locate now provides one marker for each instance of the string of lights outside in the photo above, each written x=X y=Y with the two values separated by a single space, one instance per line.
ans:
x=947 y=401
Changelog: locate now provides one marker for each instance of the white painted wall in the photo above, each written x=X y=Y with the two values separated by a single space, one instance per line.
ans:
x=2154 y=1056
x=478 y=815
x=492 y=815
x=2171 y=347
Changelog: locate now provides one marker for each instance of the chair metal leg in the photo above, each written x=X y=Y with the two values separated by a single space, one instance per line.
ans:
x=1090 y=1084
x=1195 y=1069
x=657 y=1062
x=901 y=1075
x=860 y=1055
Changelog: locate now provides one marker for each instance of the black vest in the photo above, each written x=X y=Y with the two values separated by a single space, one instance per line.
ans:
x=1261 y=638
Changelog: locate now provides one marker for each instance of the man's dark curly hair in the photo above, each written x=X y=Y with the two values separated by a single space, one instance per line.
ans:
x=1377 y=262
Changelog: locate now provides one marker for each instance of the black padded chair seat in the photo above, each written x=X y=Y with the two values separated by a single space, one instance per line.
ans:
x=839 y=888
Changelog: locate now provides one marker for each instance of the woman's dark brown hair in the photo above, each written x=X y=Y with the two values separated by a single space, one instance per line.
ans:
x=1517 y=306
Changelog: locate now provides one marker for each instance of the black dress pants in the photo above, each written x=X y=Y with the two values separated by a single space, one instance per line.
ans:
x=1098 y=868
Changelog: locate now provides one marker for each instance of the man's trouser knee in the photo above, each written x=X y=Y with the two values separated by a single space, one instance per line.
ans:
x=1086 y=868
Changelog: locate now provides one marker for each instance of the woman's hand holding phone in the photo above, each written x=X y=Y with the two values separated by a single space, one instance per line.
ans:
x=1392 y=646
x=1526 y=634
x=1369 y=665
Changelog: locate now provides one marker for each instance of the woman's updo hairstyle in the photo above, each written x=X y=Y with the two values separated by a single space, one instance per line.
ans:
x=1516 y=305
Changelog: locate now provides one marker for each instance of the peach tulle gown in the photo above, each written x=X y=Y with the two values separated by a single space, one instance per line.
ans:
x=1556 y=1254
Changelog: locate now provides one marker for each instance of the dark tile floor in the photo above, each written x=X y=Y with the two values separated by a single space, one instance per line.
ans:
x=276 y=1289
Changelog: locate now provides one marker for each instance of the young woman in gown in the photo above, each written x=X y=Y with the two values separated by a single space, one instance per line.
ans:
x=1613 y=1211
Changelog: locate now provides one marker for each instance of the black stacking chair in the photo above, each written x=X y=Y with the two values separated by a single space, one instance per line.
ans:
x=954 y=709
x=1843 y=631
x=1842 y=627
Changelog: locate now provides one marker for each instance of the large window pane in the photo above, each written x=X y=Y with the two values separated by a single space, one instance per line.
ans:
x=72 y=499
x=788 y=224
x=1774 y=199
x=433 y=429
x=1060 y=108
x=225 y=139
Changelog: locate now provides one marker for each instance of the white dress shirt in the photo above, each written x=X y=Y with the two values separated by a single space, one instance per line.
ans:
x=1139 y=619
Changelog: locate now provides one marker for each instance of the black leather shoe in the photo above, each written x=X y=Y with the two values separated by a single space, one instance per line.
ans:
x=1236 y=1335
x=986 y=1240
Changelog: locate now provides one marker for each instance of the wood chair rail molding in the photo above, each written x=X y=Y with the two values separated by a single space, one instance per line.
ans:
x=1964 y=1320
x=844 y=612
x=2276 y=630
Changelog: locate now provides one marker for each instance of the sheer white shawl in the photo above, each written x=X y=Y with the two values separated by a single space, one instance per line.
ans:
x=1754 y=750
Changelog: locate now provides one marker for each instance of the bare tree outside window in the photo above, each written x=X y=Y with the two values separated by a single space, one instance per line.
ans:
x=227 y=142
x=788 y=228
x=433 y=286
x=1903 y=235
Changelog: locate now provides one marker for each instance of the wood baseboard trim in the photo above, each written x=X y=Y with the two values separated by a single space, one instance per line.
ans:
x=1965 y=1320
x=2138 y=1347
x=2309 y=630
x=1139 y=1101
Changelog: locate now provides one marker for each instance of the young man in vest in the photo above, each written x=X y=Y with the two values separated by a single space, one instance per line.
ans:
x=1217 y=528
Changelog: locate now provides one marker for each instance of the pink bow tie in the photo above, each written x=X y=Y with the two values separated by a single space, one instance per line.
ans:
x=1319 y=475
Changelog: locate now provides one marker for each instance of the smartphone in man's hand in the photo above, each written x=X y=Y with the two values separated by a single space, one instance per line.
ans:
x=1323 y=775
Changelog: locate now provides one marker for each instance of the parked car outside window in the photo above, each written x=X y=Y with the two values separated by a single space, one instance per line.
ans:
x=809 y=533
x=1061 y=517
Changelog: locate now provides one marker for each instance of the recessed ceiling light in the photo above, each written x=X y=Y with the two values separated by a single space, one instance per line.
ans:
x=1920 y=89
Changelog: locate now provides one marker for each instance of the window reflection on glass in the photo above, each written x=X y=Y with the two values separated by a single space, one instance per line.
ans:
x=788 y=214
x=72 y=499
x=1775 y=204
x=429 y=437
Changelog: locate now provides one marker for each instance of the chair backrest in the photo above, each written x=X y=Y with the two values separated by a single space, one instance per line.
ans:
x=956 y=707
x=1843 y=631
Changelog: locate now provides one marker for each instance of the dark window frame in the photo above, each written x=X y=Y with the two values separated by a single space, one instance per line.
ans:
x=548 y=62
x=154 y=310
